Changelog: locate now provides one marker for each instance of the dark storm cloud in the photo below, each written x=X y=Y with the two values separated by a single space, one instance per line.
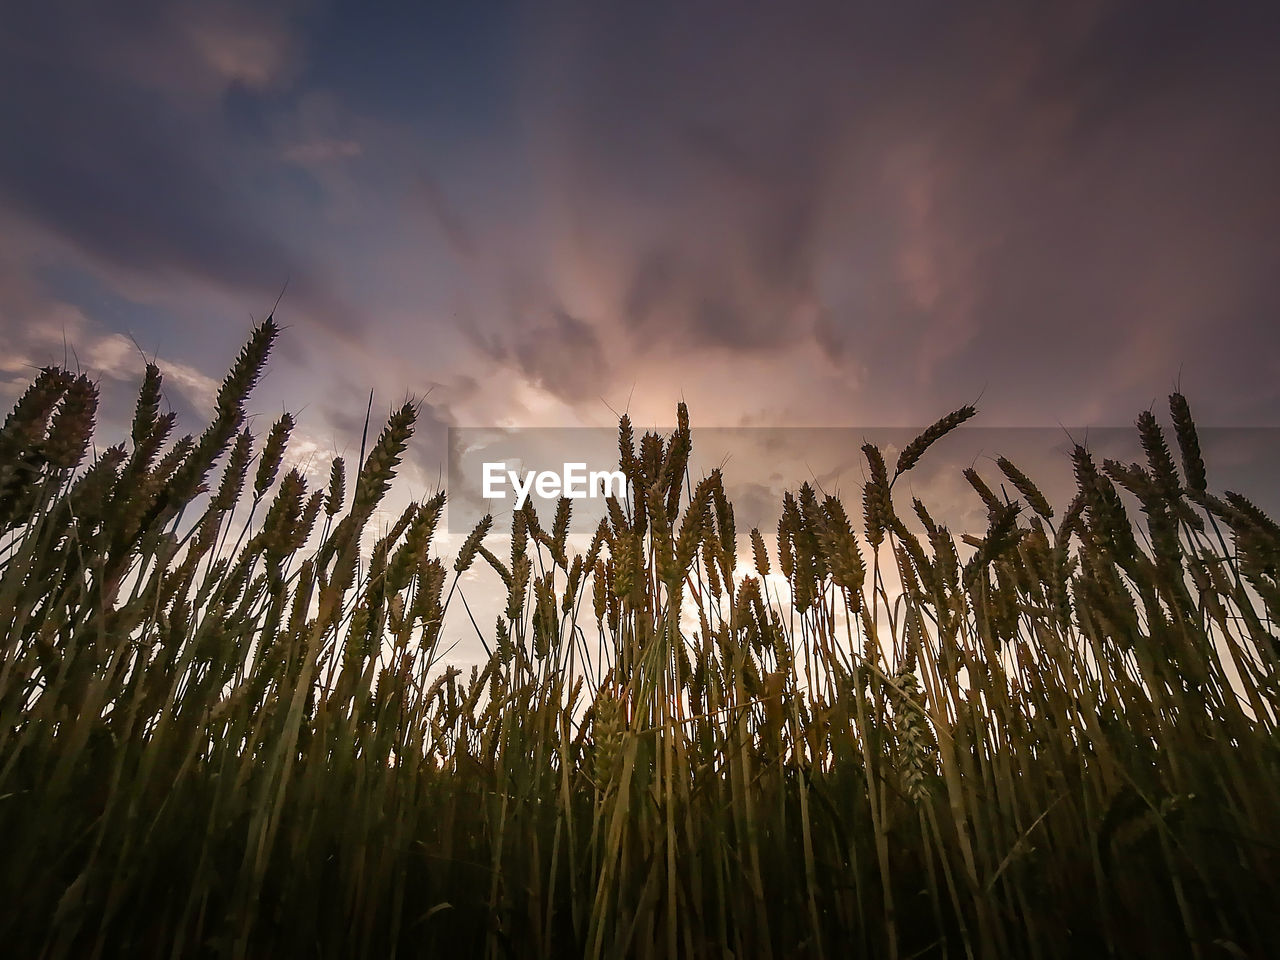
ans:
x=118 y=144
x=554 y=351
x=712 y=129
x=564 y=356
x=939 y=192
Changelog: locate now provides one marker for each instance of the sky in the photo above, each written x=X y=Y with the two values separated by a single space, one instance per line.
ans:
x=787 y=215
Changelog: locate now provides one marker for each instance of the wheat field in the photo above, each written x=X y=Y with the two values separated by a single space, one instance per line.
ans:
x=226 y=737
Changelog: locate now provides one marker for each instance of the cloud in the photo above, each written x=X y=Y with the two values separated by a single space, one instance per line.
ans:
x=128 y=159
x=924 y=200
x=316 y=152
x=59 y=334
x=555 y=352
x=119 y=358
x=186 y=53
